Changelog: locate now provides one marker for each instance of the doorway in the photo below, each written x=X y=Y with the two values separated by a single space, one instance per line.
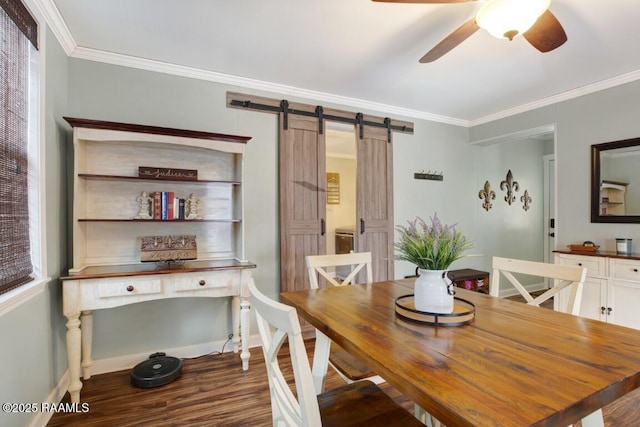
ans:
x=341 y=172
x=528 y=155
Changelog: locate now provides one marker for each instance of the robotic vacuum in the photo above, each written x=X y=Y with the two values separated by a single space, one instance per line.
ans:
x=159 y=369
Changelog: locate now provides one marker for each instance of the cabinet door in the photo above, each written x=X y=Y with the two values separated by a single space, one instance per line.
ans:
x=594 y=297
x=623 y=298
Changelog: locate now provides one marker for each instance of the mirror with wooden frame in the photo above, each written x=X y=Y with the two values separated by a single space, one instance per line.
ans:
x=615 y=181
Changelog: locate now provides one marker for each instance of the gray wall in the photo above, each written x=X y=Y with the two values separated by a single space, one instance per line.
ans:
x=33 y=355
x=604 y=116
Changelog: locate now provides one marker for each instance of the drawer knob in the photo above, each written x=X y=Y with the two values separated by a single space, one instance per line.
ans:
x=635 y=270
x=130 y=288
x=202 y=282
x=580 y=264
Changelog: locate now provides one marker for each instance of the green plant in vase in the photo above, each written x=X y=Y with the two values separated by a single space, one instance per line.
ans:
x=432 y=247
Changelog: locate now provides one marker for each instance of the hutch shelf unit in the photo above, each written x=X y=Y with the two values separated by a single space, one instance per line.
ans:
x=109 y=196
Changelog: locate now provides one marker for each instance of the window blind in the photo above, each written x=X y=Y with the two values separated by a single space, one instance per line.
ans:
x=18 y=32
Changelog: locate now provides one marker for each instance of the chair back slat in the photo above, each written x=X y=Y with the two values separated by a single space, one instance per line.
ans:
x=563 y=276
x=320 y=264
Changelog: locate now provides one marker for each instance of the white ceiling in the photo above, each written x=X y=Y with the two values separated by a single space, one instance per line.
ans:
x=358 y=52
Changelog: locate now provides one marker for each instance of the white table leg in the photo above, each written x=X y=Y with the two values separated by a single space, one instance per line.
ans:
x=86 y=320
x=320 y=361
x=245 y=312
x=74 y=335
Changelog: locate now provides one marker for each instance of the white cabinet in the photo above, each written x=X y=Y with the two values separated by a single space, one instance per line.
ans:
x=108 y=226
x=611 y=289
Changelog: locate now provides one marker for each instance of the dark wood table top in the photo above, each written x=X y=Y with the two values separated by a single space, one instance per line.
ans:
x=514 y=365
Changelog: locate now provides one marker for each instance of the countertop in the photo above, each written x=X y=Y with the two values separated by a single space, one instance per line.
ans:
x=598 y=253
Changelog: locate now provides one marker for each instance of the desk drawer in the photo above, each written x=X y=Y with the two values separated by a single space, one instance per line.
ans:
x=624 y=269
x=125 y=287
x=596 y=266
x=194 y=282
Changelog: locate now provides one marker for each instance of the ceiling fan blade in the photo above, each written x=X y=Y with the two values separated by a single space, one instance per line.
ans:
x=546 y=34
x=424 y=1
x=462 y=33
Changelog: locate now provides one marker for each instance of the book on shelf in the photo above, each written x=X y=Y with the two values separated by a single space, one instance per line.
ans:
x=171 y=196
x=157 y=205
x=167 y=206
x=181 y=209
x=164 y=209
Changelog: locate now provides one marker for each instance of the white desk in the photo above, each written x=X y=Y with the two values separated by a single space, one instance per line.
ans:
x=97 y=288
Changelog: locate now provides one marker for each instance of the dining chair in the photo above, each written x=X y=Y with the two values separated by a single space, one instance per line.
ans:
x=349 y=367
x=357 y=404
x=563 y=276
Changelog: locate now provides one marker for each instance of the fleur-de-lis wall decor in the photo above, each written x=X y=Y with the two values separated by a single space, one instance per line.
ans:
x=487 y=194
x=511 y=186
x=526 y=200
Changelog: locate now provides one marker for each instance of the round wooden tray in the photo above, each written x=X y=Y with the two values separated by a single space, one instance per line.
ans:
x=463 y=312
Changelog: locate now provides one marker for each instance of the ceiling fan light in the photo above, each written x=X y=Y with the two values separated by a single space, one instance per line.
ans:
x=506 y=19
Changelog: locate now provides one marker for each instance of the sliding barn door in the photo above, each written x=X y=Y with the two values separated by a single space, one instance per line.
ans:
x=302 y=198
x=375 y=201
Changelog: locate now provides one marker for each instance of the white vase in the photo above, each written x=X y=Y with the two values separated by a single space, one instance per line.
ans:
x=433 y=292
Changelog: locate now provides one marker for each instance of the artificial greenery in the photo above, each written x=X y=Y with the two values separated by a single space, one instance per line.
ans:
x=430 y=246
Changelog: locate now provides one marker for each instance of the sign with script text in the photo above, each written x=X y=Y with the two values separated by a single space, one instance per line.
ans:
x=167 y=173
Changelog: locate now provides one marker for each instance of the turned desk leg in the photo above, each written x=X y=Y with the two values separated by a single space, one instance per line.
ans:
x=245 y=311
x=320 y=361
x=73 y=356
x=236 y=323
x=86 y=320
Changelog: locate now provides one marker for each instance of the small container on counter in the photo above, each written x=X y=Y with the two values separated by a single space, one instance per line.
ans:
x=623 y=246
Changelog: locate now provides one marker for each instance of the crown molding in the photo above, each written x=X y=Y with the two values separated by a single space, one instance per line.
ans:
x=564 y=96
x=57 y=25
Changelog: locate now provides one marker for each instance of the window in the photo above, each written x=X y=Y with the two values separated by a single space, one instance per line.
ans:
x=18 y=143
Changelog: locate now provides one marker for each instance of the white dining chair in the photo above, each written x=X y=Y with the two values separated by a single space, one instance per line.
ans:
x=562 y=276
x=349 y=367
x=360 y=403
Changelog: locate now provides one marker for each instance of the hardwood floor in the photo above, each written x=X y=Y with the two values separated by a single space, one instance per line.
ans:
x=214 y=391
x=211 y=391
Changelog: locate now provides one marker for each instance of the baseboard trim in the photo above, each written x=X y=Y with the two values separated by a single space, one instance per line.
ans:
x=113 y=364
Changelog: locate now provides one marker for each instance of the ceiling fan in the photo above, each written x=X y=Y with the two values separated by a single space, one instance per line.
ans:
x=503 y=19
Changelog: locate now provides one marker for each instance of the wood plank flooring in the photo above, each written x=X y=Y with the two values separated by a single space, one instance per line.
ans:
x=211 y=391
x=214 y=391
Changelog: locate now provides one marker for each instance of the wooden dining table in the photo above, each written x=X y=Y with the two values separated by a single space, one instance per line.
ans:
x=513 y=365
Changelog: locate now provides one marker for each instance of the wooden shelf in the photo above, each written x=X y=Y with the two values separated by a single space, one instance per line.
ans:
x=141 y=178
x=154 y=220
